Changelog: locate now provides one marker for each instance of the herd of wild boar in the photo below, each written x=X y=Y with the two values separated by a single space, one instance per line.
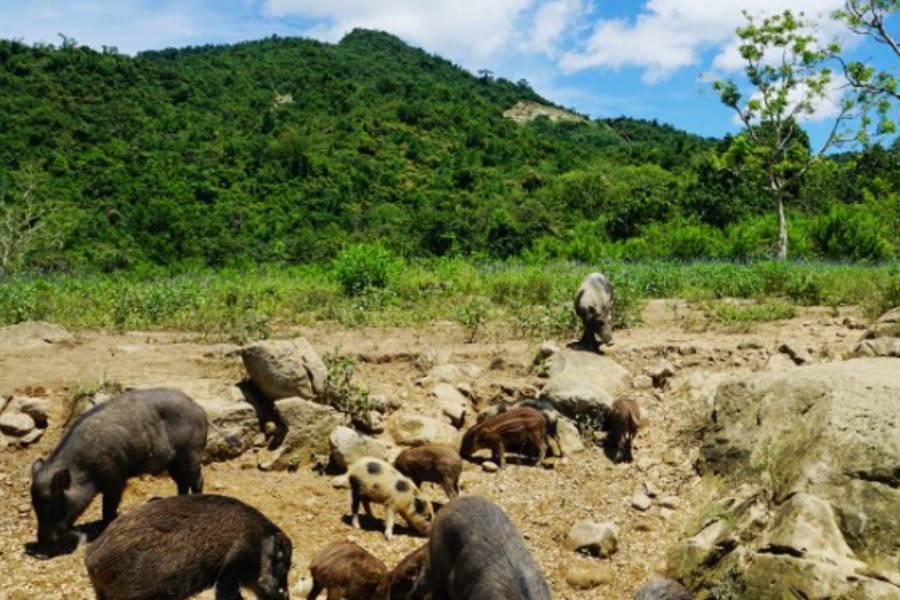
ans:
x=178 y=546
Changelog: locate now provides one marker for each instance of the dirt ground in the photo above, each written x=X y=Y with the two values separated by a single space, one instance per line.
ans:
x=542 y=502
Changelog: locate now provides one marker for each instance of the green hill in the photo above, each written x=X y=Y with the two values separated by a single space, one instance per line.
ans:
x=289 y=149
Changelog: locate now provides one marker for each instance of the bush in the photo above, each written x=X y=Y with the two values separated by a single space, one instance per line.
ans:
x=852 y=231
x=364 y=266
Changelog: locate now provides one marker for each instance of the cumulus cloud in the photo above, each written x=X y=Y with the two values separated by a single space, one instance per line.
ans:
x=669 y=35
x=466 y=30
x=550 y=23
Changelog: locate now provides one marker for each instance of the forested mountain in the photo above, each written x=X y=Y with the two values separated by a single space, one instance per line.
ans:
x=288 y=149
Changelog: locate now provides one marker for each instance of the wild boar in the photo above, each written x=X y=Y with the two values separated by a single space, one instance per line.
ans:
x=404 y=575
x=547 y=409
x=374 y=480
x=594 y=306
x=622 y=424
x=178 y=546
x=135 y=432
x=437 y=464
x=516 y=428
x=476 y=553
x=347 y=571
x=663 y=589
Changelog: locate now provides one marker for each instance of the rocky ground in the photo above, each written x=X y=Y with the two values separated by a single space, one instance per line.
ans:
x=544 y=502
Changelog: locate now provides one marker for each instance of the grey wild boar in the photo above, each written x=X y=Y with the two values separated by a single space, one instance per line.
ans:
x=175 y=547
x=476 y=553
x=404 y=575
x=547 y=409
x=663 y=589
x=347 y=571
x=622 y=424
x=135 y=432
x=374 y=480
x=594 y=306
x=516 y=429
x=437 y=464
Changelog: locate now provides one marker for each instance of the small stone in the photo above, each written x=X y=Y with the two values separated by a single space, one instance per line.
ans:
x=586 y=577
x=669 y=502
x=341 y=482
x=642 y=523
x=650 y=489
x=31 y=437
x=671 y=457
x=302 y=588
x=642 y=382
x=641 y=502
x=660 y=372
x=489 y=466
x=218 y=486
x=666 y=513
x=16 y=423
x=23 y=508
x=599 y=539
x=645 y=463
x=797 y=354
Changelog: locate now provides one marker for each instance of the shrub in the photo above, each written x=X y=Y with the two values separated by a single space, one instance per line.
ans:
x=851 y=231
x=364 y=266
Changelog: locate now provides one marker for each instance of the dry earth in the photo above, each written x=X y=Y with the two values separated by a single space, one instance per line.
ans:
x=543 y=502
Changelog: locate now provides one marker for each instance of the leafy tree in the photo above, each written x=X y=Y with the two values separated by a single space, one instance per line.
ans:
x=24 y=219
x=786 y=67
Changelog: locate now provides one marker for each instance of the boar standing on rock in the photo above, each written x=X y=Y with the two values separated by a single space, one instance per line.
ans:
x=346 y=570
x=476 y=553
x=374 y=480
x=135 y=432
x=594 y=305
x=622 y=424
x=516 y=428
x=176 y=547
x=437 y=464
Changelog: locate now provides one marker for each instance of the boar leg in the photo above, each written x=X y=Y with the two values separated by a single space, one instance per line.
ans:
x=542 y=450
x=315 y=591
x=449 y=488
x=228 y=584
x=389 y=522
x=335 y=593
x=354 y=506
x=367 y=506
x=112 y=496
x=499 y=454
x=627 y=452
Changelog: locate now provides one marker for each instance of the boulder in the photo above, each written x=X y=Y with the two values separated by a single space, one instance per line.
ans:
x=642 y=382
x=305 y=441
x=641 y=501
x=234 y=428
x=347 y=446
x=882 y=338
x=452 y=403
x=598 y=539
x=36 y=408
x=442 y=373
x=16 y=424
x=570 y=441
x=798 y=354
x=660 y=372
x=286 y=369
x=415 y=430
x=779 y=362
x=370 y=421
x=32 y=335
x=811 y=459
x=583 y=383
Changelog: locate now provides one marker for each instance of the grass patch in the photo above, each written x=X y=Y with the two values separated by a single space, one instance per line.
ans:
x=740 y=316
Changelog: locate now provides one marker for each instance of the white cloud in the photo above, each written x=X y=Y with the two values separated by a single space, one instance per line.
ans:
x=549 y=24
x=465 y=30
x=672 y=34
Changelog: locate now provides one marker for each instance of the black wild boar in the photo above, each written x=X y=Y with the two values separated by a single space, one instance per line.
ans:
x=594 y=305
x=437 y=464
x=135 y=432
x=663 y=589
x=476 y=553
x=348 y=571
x=175 y=547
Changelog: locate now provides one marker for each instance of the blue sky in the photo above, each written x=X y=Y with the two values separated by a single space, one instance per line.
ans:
x=641 y=58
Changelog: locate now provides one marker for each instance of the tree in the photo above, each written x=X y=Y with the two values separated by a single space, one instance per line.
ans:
x=23 y=220
x=786 y=67
x=875 y=89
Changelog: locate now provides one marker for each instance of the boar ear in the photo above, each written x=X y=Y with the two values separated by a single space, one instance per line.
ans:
x=36 y=467
x=60 y=482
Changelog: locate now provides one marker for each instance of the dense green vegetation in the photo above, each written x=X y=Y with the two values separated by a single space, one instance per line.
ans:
x=493 y=298
x=290 y=150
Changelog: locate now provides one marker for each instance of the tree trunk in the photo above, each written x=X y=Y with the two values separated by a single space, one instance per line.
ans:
x=782 y=230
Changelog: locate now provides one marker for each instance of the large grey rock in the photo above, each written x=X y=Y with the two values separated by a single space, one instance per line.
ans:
x=234 y=427
x=31 y=335
x=452 y=403
x=599 y=539
x=583 y=383
x=415 y=430
x=347 y=446
x=308 y=427
x=882 y=338
x=286 y=369
x=812 y=457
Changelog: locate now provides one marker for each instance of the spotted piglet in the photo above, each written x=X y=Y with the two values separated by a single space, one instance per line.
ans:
x=374 y=480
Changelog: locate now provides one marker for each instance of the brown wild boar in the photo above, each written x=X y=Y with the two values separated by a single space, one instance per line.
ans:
x=175 y=547
x=374 y=480
x=135 y=432
x=346 y=570
x=404 y=575
x=663 y=589
x=437 y=464
x=622 y=424
x=547 y=409
x=516 y=428
x=476 y=553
